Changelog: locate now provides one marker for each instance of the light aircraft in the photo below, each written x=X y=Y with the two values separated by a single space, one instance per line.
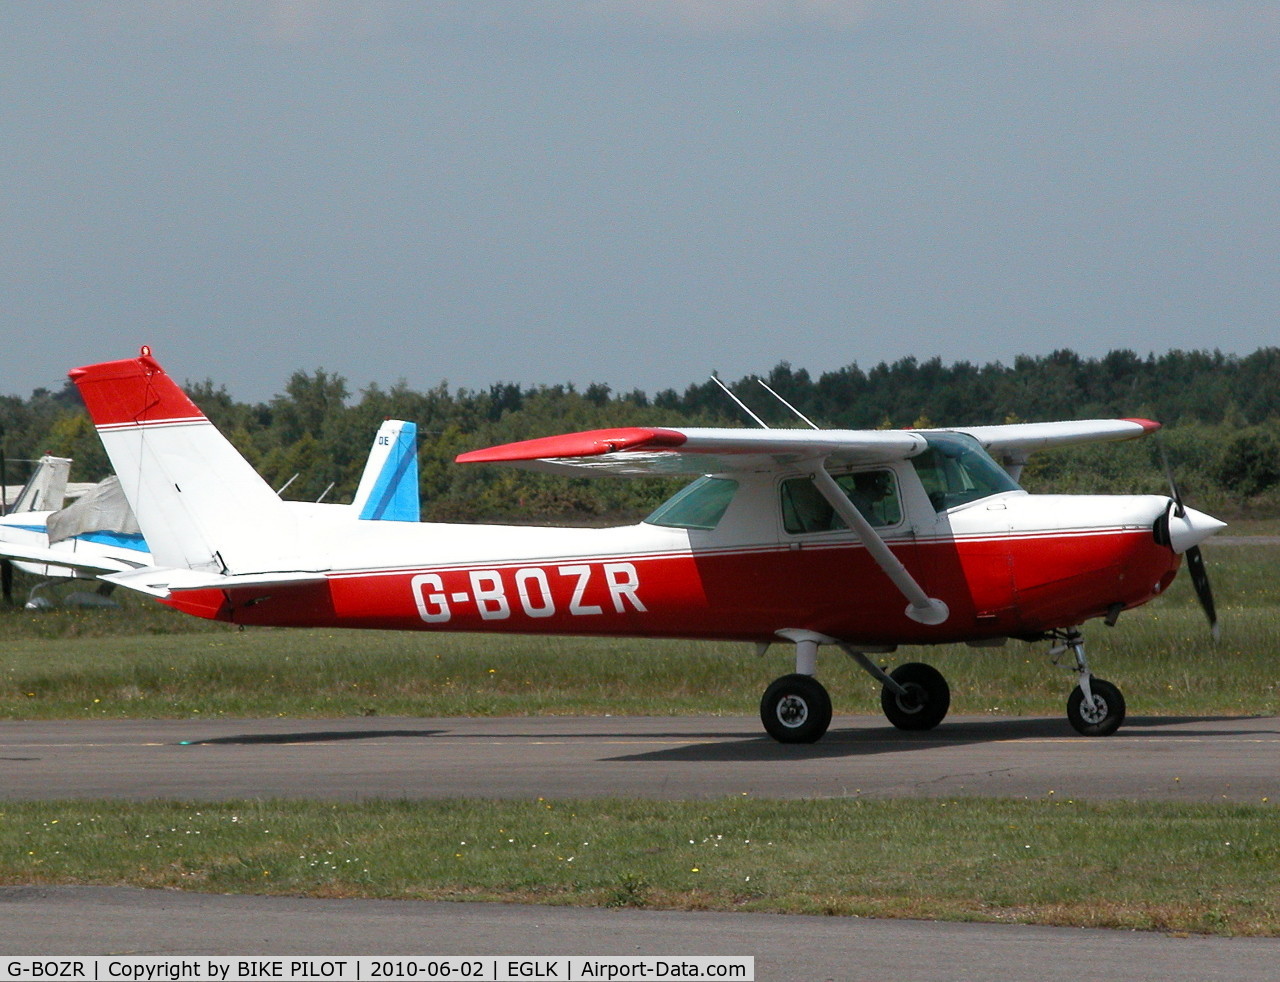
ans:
x=97 y=533
x=858 y=540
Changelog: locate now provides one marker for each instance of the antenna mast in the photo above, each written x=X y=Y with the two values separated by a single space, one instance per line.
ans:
x=812 y=424
x=741 y=405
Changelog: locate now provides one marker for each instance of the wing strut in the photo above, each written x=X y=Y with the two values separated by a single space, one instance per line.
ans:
x=920 y=606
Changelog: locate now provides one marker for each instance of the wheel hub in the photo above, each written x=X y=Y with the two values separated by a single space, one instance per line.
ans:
x=792 y=711
x=1093 y=711
x=913 y=700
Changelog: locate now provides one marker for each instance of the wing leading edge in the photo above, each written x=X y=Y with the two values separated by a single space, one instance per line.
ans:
x=695 y=450
x=700 y=450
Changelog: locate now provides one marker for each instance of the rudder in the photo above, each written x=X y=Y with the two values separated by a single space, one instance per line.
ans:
x=198 y=501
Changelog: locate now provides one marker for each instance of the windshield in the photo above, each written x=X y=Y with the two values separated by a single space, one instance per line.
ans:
x=956 y=470
x=699 y=505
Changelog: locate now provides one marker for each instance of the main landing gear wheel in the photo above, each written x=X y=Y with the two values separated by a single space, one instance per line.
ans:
x=796 y=709
x=1103 y=715
x=927 y=699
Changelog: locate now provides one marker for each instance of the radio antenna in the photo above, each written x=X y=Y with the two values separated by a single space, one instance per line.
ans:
x=812 y=424
x=741 y=405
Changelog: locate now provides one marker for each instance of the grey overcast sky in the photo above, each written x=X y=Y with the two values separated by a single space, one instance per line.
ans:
x=632 y=192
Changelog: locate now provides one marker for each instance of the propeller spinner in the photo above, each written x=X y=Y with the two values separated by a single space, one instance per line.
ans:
x=1185 y=528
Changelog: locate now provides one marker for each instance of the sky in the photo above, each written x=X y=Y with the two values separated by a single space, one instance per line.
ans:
x=629 y=192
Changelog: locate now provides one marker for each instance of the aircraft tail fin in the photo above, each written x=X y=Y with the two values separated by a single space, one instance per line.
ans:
x=199 y=503
x=47 y=489
x=388 y=489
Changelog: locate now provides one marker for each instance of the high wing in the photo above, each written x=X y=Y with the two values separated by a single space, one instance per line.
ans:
x=657 y=451
x=1013 y=443
x=697 y=450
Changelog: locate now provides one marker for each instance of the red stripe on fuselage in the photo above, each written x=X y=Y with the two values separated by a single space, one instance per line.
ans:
x=1012 y=586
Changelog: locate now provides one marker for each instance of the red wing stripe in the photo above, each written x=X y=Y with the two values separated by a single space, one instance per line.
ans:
x=1148 y=425
x=591 y=443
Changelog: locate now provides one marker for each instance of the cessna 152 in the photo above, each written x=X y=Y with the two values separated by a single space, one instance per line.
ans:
x=814 y=537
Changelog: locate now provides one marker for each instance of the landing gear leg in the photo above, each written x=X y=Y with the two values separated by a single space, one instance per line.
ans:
x=913 y=696
x=796 y=708
x=925 y=702
x=1095 y=706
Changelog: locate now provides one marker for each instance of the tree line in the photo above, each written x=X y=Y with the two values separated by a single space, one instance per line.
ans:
x=1221 y=414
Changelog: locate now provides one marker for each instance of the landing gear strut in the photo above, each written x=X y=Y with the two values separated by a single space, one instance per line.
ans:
x=924 y=703
x=1095 y=706
x=797 y=709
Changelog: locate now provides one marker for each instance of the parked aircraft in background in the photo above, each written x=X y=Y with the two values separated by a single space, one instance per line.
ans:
x=98 y=534
x=853 y=539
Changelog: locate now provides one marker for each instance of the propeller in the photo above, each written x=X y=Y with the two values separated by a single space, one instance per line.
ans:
x=1185 y=528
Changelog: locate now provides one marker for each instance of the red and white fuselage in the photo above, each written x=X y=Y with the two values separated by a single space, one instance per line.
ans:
x=998 y=564
x=1012 y=570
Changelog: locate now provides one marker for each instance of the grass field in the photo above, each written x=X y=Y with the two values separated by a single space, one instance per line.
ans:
x=147 y=661
x=1169 y=867
x=1192 y=868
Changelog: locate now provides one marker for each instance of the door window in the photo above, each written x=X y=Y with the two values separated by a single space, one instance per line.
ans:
x=873 y=493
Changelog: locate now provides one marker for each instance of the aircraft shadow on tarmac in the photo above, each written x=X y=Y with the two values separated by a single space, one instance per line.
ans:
x=862 y=742
x=709 y=745
x=314 y=736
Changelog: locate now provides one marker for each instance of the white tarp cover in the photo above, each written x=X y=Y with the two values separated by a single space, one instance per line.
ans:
x=104 y=509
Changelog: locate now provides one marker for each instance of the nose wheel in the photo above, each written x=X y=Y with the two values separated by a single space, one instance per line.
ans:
x=1098 y=714
x=1095 y=706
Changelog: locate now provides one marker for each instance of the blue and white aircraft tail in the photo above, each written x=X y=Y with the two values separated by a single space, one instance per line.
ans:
x=388 y=489
x=97 y=535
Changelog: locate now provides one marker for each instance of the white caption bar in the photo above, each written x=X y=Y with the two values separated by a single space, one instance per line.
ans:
x=477 y=968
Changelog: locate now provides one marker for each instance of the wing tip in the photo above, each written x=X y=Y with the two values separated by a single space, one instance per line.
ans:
x=1148 y=425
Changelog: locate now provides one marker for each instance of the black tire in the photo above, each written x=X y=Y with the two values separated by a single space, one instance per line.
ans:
x=1102 y=718
x=796 y=709
x=927 y=700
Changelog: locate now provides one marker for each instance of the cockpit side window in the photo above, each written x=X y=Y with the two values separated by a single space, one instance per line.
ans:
x=955 y=470
x=699 y=505
x=873 y=493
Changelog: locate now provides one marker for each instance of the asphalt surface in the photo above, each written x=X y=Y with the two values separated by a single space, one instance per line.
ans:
x=1201 y=759
x=103 y=920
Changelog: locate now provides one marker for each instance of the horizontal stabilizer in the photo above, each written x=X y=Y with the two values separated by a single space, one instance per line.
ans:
x=162 y=581
x=86 y=562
